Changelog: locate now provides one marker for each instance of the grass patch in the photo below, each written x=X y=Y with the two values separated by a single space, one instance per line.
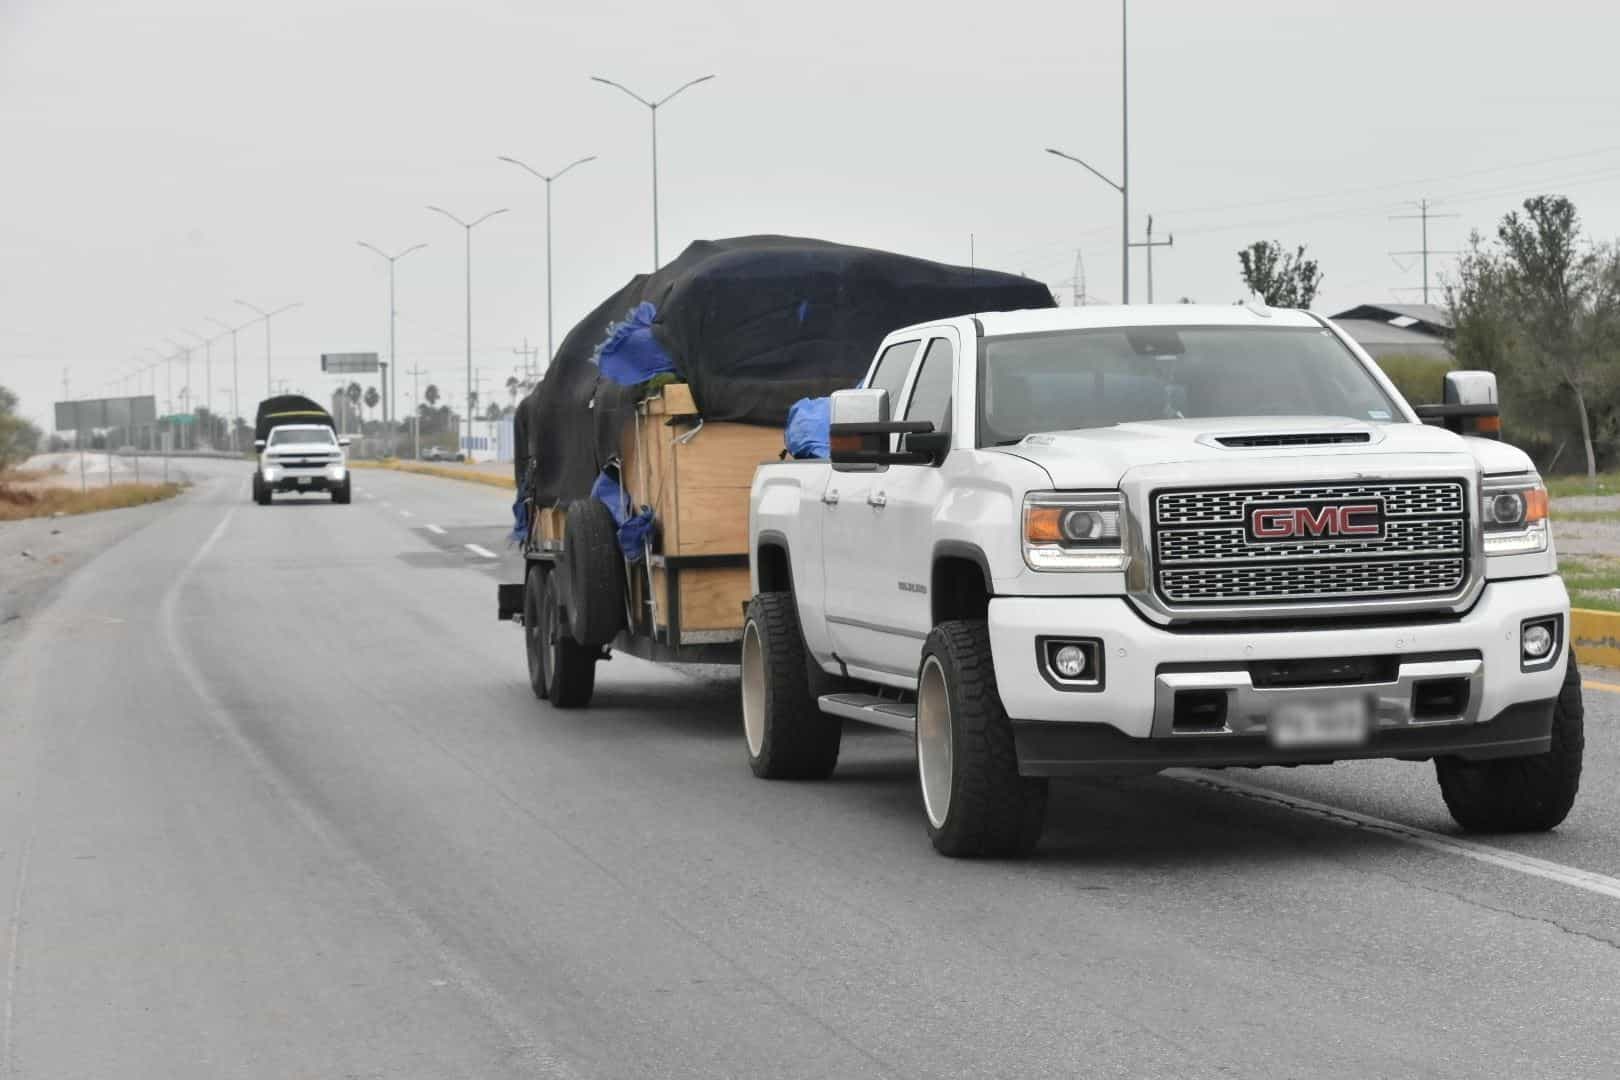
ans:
x=448 y=472
x=1611 y=516
x=1608 y=483
x=17 y=503
x=1593 y=581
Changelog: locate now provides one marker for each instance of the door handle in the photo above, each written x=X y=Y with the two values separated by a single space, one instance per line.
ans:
x=877 y=498
x=830 y=497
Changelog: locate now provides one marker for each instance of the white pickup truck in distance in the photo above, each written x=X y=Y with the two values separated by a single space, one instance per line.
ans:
x=1102 y=541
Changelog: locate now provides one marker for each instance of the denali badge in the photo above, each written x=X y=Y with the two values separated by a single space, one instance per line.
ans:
x=1265 y=523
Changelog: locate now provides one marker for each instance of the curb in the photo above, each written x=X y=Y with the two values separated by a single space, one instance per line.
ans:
x=1595 y=636
x=446 y=472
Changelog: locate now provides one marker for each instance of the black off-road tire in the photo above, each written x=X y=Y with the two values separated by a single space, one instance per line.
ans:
x=992 y=810
x=1522 y=794
x=561 y=670
x=261 y=491
x=595 y=569
x=341 y=495
x=788 y=737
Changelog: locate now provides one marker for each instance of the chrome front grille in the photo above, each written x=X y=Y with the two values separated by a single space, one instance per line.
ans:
x=1203 y=554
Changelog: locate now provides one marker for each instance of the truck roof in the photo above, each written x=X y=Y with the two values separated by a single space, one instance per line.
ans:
x=1102 y=316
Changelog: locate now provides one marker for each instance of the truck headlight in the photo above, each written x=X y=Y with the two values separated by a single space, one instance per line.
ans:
x=269 y=473
x=1514 y=513
x=1074 y=531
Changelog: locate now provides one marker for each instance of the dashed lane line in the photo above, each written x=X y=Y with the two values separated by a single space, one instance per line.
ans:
x=406 y=513
x=1601 y=884
x=481 y=551
x=435 y=530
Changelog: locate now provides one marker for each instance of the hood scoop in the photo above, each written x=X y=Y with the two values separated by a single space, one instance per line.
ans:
x=1277 y=439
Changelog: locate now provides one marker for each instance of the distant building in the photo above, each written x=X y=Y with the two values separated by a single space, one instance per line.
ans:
x=1399 y=329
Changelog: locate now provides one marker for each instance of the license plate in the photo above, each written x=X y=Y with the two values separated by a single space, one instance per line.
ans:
x=303 y=481
x=1325 y=723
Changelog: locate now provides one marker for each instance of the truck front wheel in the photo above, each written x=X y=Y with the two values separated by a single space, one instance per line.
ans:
x=789 y=737
x=341 y=493
x=967 y=766
x=1522 y=794
x=561 y=670
x=261 y=490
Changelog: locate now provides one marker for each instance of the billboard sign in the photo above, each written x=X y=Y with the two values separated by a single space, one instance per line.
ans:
x=93 y=413
x=349 y=363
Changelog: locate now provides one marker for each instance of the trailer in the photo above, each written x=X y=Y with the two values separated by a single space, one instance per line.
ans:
x=682 y=601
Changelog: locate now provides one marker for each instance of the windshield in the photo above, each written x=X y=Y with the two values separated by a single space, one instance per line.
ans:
x=282 y=436
x=1096 y=378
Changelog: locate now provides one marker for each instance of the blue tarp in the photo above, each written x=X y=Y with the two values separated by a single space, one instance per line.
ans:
x=520 y=522
x=631 y=355
x=807 y=422
x=633 y=526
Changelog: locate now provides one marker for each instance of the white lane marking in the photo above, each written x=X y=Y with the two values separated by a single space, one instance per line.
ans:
x=367 y=495
x=435 y=530
x=406 y=513
x=485 y=552
x=1601 y=884
x=387 y=503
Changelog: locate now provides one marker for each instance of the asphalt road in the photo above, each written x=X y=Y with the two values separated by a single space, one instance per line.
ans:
x=275 y=801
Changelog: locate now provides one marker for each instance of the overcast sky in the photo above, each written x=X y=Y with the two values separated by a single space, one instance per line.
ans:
x=161 y=159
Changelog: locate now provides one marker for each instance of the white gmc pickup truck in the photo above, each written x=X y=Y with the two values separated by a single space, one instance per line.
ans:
x=1097 y=541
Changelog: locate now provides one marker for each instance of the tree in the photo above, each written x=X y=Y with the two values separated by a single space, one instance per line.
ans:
x=1280 y=278
x=431 y=395
x=372 y=398
x=1541 y=308
x=493 y=412
x=512 y=385
x=19 y=438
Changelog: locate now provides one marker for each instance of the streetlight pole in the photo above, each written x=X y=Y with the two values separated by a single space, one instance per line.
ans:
x=208 y=376
x=236 y=381
x=468 y=227
x=185 y=386
x=653 y=107
x=393 y=368
x=269 y=382
x=1124 y=185
x=548 y=180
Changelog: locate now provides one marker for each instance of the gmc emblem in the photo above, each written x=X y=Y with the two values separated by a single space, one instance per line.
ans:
x=1270 y=523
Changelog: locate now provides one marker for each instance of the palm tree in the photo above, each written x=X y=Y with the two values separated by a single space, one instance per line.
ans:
x=372 y=398
x=431 y=395
x=512 y=385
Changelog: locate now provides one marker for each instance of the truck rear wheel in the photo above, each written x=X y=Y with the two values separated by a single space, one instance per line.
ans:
x=1522 y=794
x=595 y=569
x=974 y=799
x=789 y=737
x=561 y=670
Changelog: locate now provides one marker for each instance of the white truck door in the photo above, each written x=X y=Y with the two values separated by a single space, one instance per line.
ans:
x=850 y=539
x=904 y=500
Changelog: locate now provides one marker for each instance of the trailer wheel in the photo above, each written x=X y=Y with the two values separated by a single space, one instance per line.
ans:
x=534 y=643
x=975 y=801
x=595 y=570
x=1522 y=794
x=561 y=670
x=789 y=737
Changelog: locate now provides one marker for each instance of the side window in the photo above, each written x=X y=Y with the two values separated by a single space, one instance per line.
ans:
x=931 y=393
x=891 y=370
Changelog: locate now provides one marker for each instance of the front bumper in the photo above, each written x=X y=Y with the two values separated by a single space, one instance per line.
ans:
x=1126 y=724
x=314 y=478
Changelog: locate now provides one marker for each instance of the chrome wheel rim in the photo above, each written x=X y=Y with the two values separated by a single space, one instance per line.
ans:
x=753 y=689
x=934 y=750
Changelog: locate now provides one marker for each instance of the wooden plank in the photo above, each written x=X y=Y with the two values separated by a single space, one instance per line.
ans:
x=712 y=597
x=677 y=400
x=713 y=473
x=549 y=520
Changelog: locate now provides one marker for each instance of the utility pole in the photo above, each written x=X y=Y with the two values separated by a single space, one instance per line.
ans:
x=416 y=413
x=236 y=382
x=548 y=179
x=1422 y=215
x=1150 y=244
x=388 y=394
x=269 y=379
x=468 y=227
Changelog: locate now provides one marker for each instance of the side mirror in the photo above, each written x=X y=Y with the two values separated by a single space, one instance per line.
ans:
x=1470 y=406
x=258 y=444
x=934 y=444
x=860 y=430
x=344 y=440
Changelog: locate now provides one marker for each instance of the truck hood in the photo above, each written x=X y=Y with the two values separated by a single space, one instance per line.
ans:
x=1258 y=449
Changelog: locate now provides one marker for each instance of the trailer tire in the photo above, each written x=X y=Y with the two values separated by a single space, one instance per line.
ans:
x=1522 y=794
x=595 y=570
x=974 y=800
x=561 y=670
x=787 y=734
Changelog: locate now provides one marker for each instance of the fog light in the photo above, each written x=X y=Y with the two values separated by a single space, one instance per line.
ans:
x=1070 y=661
x=1537 y=641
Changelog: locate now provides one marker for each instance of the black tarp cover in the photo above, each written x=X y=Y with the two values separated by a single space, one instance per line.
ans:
x=753 y=323
x=288 y=409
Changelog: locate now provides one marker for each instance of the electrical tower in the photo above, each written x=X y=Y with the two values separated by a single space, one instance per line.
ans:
x=1423 y=215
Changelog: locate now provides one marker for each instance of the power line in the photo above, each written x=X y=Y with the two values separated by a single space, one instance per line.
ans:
x=1423 y=215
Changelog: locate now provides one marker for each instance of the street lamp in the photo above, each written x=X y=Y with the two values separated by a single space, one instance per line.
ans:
x=208 y=376
x=185 y=386
x=393 y=368
x=269 y=382
x=653 y=107
x=468 y=227
x=236 y=381
x=548 y=180
x=1124 y=185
